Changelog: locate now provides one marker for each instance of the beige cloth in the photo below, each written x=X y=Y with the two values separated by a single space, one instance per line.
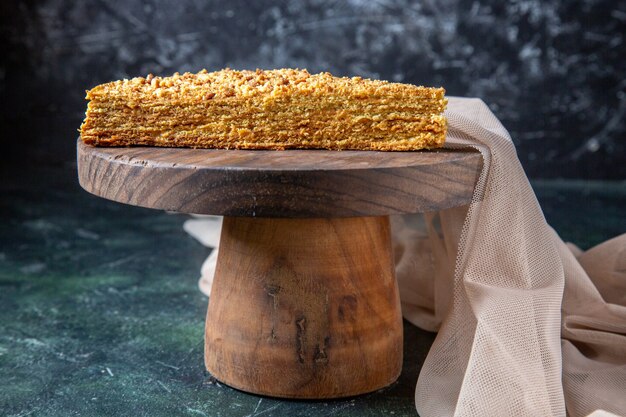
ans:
x=526 y=325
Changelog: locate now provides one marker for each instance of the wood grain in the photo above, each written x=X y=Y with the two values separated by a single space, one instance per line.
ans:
x=305 y=308
x=294 y=183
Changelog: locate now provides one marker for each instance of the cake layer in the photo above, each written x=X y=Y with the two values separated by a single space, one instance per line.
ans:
x=275 y=109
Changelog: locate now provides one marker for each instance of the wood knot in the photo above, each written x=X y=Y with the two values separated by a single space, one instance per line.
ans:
x=272 y=290
x=347 y=308
x=300 y=333
x=320 y=352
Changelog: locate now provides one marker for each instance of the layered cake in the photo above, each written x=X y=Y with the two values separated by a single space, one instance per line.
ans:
x=273 y=109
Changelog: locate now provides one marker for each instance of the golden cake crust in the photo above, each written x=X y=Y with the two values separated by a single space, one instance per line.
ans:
x=272 y=109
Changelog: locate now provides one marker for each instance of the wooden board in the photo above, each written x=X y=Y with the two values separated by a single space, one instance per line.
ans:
x=293 y=183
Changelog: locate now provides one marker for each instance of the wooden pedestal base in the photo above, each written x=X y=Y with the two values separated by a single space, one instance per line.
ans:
x=305 y=308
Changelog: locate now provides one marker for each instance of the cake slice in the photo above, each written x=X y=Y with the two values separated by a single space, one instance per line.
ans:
x=273 y=109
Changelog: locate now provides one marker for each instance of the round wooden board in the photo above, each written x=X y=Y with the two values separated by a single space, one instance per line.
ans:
x=292 y=183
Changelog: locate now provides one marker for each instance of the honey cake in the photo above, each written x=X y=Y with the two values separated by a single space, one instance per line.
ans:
x=265 y=109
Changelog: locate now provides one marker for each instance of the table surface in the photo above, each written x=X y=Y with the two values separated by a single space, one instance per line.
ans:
x=101 y=314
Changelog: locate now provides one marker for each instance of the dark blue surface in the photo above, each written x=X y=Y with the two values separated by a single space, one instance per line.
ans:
x=100 y=313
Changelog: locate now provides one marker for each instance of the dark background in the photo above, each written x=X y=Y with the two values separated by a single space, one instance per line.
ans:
x=552 y=71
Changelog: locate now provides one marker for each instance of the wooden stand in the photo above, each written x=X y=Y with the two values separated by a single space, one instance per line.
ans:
x=304 y=302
